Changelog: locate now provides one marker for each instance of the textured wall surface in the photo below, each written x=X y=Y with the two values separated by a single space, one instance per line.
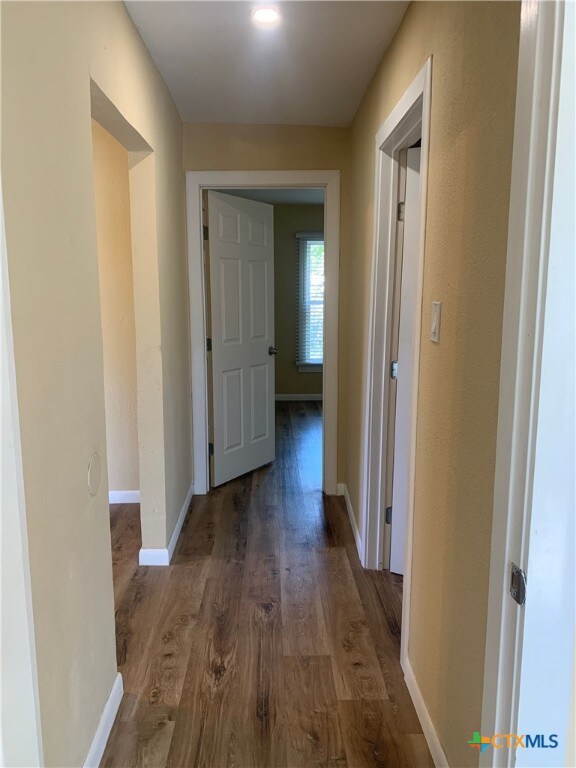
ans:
x=112 y=193
x=474 y=47
x=50 y=53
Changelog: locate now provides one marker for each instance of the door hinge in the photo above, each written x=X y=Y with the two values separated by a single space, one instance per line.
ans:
x=210 y=449
x=401 y=208
x=517 y=584
x=205 y=232
x=208 y=345
x=388 y=515
x=394 y=369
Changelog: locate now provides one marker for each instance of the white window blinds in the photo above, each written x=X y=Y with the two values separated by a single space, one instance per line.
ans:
x=310 y=330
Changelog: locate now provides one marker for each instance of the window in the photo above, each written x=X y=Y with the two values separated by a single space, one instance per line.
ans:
x=310 y=331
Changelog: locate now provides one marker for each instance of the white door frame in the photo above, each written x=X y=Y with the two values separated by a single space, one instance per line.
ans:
x=196 y=182
x=537 y=100
x=408 y=121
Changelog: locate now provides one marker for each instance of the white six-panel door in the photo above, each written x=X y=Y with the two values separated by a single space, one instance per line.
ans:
x=241 y=244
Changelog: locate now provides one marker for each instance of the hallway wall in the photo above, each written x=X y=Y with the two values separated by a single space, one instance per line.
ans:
x=112 y=194
x=50 y=53
x=474 y=48
x=229 y=147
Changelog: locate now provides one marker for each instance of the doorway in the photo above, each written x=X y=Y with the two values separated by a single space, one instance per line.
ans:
x=264 y=277
x=114 y=240
x=258 y=184
x=401 y=150
x=402 y=341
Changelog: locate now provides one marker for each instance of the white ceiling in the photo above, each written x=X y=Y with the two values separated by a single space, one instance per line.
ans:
x=311 y=70
x=283 y=196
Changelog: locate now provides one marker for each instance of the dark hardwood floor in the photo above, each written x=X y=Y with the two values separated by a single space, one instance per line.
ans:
x=264 y=643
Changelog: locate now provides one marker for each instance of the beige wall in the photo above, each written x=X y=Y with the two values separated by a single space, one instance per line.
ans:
x=49 y=53
x=474 y=48
x=222 y=147
x=288 y=220
x=20 y=743
x=112 y=196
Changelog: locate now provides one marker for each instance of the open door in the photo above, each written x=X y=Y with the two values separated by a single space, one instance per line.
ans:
x=407 y=335
x=241 y=245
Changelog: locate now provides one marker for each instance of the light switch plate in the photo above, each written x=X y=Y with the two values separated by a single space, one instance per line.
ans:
x=435 y=324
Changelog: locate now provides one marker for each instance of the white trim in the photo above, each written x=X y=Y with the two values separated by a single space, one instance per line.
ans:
x=438 y=756
x=408 y=121
x=105 y=724
x=310 y=367
x=196 y=181
x=161 y=556
x=296 y=398
x=154 y=556
x=537 y=94
x=180 y=522
x=343 y=491
x=124 y=497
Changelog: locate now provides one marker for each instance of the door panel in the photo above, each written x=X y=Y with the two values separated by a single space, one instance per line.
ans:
x=231 y=301
x=232 y=402
x=241 y=245
x=259 y=405
x=257 y=271
x=407 y=335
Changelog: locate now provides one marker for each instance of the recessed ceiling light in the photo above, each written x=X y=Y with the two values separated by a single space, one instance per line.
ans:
x=266 y=16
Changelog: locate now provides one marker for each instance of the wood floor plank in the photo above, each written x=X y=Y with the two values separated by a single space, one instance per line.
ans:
x=371 y=738
x=313 y=734
x=198 y=530
x=265 y=643
x=379 y=615
x=203 y=723
x=306 y=424
x=125 y=540
x=258 y=727
x=257 y=737
x=233 y=502
x=304 y=631
x=357 y=673
x=167 y=660
x=138 y=612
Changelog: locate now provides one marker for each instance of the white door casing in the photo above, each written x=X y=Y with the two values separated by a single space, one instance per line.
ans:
x=407 y=339
x=242 y=313
x=408 y=122
x=196 y=183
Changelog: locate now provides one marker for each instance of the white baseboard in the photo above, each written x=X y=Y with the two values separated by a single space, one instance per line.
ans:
x=154 y=556
x=428 y=729
x=343 y=491
x=163 y=556
x=124 y=497
x=297 y=398
x=105 y=724
x=180 y=522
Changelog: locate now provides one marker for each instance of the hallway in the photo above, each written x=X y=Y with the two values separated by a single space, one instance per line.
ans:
x=264 y=643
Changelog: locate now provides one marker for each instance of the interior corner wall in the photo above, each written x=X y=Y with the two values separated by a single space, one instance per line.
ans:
x=239 y=147
x=288 y=220
x=50 y=52
x=112 y=197
x=474 y=49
